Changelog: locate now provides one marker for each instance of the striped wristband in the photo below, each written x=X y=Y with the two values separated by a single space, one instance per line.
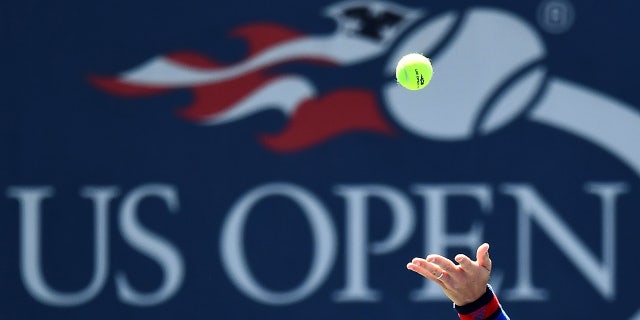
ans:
x=486 y=307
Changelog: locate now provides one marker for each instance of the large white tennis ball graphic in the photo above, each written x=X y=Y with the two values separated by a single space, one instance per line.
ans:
x=489 y=70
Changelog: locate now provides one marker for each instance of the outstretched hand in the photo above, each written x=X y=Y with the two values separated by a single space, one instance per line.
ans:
x=464 y=282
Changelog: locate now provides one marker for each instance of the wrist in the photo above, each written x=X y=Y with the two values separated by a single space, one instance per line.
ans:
x=485 y=307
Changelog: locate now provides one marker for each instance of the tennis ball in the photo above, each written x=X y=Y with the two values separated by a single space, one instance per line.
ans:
x=414 y=71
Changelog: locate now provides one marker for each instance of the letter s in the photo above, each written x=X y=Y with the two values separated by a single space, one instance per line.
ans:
x=151 y=245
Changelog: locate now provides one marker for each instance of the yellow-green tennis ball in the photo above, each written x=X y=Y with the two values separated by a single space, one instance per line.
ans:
x=414 y=71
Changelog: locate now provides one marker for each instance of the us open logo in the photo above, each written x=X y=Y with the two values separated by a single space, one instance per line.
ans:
x=502 y=80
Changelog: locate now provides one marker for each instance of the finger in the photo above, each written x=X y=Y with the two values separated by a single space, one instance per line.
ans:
x=441 y=262
x=482 y=255
x=464 y=261
x=426 y=269
x=420 y=270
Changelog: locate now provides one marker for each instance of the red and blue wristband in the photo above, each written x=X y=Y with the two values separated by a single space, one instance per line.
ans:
x=487 y=307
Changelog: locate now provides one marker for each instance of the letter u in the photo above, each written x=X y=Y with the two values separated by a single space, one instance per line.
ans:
x=30 y=199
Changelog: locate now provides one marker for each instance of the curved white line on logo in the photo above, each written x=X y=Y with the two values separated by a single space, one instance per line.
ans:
x=606 y=122
x=509 y=104
x=161 y=71
x=284 y=94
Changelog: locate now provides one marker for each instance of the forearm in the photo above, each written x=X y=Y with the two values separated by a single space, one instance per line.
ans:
x=487 y=307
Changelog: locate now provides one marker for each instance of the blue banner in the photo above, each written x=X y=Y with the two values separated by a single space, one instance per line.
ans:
x=258 y=160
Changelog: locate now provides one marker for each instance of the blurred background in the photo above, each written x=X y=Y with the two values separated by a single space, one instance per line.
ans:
x=256 y=159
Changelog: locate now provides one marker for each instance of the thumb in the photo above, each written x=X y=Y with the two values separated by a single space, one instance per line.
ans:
x=482 y=255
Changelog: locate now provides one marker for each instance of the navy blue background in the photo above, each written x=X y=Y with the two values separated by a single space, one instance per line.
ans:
x=57 y=129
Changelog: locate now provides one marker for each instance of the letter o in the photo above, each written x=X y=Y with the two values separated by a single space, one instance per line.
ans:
x=233 y=254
